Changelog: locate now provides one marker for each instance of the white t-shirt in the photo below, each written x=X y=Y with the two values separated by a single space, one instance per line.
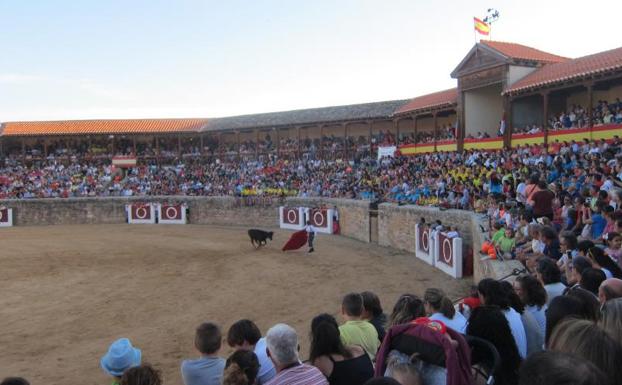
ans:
x=310 y=229
x=518 y=330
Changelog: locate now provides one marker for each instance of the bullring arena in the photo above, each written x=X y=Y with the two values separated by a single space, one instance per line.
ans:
x=68 y=290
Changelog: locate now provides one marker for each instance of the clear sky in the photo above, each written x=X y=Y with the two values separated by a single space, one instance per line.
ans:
x=88 y=59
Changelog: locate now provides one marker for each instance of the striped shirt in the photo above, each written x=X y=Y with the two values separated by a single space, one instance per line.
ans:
x=299 y=375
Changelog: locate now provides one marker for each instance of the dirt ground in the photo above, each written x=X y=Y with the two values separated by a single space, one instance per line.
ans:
x=68 y=291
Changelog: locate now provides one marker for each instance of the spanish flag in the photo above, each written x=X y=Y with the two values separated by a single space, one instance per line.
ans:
x=481 y=27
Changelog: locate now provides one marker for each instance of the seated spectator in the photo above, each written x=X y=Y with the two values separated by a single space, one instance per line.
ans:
x=490 y=324
x=548 y=273
x=245 y=335
x=560 y=308
x=405 y=373
x=558 y=368
x=533 y=296
x=339 y=363
x=372 y=312
x=356 y=330
x=611 y=318
x=492 y=294
x=407 y=308
x=241 y=368
x=144 y=374
x=282 y=345
x=534 y=334
x=579 y=264
x=588 y=341
x=609 y=289
x=383 y=381
x=208 y=369
x=591 y=279
x=121 y=356
x=604 y=263
x=439 y=307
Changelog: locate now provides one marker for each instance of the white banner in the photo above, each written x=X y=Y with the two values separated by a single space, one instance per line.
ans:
x=386 y=151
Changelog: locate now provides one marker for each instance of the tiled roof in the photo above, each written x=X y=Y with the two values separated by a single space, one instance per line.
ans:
x=572 y=69
x=519 y=51
x=125 y=126
x=307 y=116
x=437 y=99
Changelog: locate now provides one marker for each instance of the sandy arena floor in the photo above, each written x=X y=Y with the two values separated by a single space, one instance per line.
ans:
x=68 y=291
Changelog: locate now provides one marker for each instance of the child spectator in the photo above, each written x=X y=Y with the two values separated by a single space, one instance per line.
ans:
x=208 y=369
x=121 y=356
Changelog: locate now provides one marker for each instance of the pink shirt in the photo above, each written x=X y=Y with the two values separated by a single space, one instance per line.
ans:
x=302 y=374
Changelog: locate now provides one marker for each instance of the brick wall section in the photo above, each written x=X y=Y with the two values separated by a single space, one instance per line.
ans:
x=353 y=214
x=396 y=224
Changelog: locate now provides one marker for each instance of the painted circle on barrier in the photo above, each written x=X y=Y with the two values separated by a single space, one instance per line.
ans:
x=168 y=211
x=292 y=216
x=425 y=240
x=1 y=215
x=447 y=251
x=319 y=223
x=141 y=212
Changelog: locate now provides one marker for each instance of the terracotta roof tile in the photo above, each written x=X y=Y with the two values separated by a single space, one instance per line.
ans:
x=436 y=99
x=572 y=69
x=122 y=126
x=519 y=51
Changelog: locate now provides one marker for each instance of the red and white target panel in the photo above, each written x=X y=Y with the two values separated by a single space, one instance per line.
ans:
x=424 y=244
x=321 y=219
x=174 y=214
x=292 y=218
x=448 y=256
x=6 y=217
x=141 y=213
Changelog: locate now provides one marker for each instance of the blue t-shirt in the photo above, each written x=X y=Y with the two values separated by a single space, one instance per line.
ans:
x=202 y=371
x=598 y=225
x=266 y=367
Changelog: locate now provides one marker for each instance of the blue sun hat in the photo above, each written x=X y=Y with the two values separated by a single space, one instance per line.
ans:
x=121 y=356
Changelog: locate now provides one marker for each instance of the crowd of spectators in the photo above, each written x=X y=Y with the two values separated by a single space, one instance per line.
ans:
x=548 y=328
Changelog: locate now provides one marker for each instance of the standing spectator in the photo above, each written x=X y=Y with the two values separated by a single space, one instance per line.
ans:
x=310 y=229
x=439 y=307
x=372 y=312
x=356 y=330
x=341 y=364
x=208 y=369
x=121 y=356
x=245 y=335
x=542 y=201
x=282 y=343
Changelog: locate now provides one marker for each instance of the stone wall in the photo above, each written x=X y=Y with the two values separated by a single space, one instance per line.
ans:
x=353 y=214
x=396 y=224
x=203 y=210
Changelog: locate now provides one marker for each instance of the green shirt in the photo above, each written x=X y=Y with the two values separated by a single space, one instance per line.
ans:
x=506 y=244
x=496 y=236
x=360 y=333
